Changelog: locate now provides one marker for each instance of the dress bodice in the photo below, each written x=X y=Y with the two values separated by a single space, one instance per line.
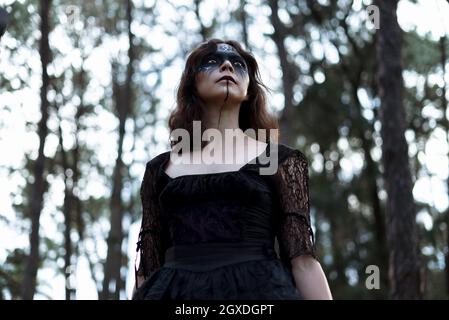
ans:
x=231 y=206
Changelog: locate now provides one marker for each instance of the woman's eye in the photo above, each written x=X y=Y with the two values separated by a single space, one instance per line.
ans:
x=211 y=61
x=240 y=64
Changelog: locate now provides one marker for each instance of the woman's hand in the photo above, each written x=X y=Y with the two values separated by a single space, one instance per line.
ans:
x=310 y=279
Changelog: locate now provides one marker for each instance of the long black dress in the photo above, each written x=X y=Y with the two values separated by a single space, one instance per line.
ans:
x=212 y=236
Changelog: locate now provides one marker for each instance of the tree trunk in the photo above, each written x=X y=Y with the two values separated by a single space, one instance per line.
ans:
x=36 y=202
x=404 y=268
x=204 y=31
x=361 y=126
x=124 y=101
x=446 y=126
x=288 y=77
x=68 y=209
x=3 y=21
x=244 y=22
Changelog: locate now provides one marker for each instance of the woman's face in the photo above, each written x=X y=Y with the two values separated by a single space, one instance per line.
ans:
x=223 y=75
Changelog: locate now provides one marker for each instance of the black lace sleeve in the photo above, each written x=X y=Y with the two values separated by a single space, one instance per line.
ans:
x=150 y=242
x=295 y=235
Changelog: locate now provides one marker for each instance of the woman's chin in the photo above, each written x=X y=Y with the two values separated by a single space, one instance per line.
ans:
x=221 y=97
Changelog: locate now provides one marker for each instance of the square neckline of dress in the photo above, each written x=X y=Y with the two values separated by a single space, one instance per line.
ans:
x=162 y=167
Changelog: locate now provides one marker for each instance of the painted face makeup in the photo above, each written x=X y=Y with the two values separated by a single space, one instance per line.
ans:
x=224 y=52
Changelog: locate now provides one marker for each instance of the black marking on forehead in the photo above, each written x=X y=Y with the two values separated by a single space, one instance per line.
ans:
x=227 y=50
x=225 y=47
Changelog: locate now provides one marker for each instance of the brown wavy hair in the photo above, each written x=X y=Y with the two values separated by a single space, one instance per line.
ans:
x=253 y=112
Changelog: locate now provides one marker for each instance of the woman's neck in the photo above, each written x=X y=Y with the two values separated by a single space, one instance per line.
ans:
x=221 y=117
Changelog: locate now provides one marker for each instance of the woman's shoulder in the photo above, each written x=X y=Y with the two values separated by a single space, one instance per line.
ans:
x=158 y=160
x=285 y=152
x=153 y=170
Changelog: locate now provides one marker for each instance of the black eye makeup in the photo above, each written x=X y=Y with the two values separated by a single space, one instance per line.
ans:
x=215 y=60
x=235 y=60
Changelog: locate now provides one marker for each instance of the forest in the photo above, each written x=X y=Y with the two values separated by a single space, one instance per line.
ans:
x=86 y=89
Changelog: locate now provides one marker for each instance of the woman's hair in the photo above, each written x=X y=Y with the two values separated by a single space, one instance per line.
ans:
x=253 y=112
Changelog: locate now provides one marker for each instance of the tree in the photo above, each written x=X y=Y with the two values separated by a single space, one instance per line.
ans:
x=443 y=41
x=39 y=186
x=123 y=96
x=404 y=264
x=289 y=75
x=3 y=21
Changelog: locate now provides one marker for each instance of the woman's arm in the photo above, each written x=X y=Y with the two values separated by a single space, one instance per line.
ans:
x=150 y=247
x=310 y=279
x=138 y=282
x=295 y=235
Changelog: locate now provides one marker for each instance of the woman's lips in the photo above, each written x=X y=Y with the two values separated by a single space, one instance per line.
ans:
x=227 y=78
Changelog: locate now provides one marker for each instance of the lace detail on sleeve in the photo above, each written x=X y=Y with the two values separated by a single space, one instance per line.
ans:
x=150 y=235
x=295 y=232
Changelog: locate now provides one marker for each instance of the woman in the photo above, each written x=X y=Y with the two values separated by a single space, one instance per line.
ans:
x=209 y=230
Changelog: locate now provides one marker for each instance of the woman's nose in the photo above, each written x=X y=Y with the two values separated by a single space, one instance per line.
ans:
x=226 y=65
